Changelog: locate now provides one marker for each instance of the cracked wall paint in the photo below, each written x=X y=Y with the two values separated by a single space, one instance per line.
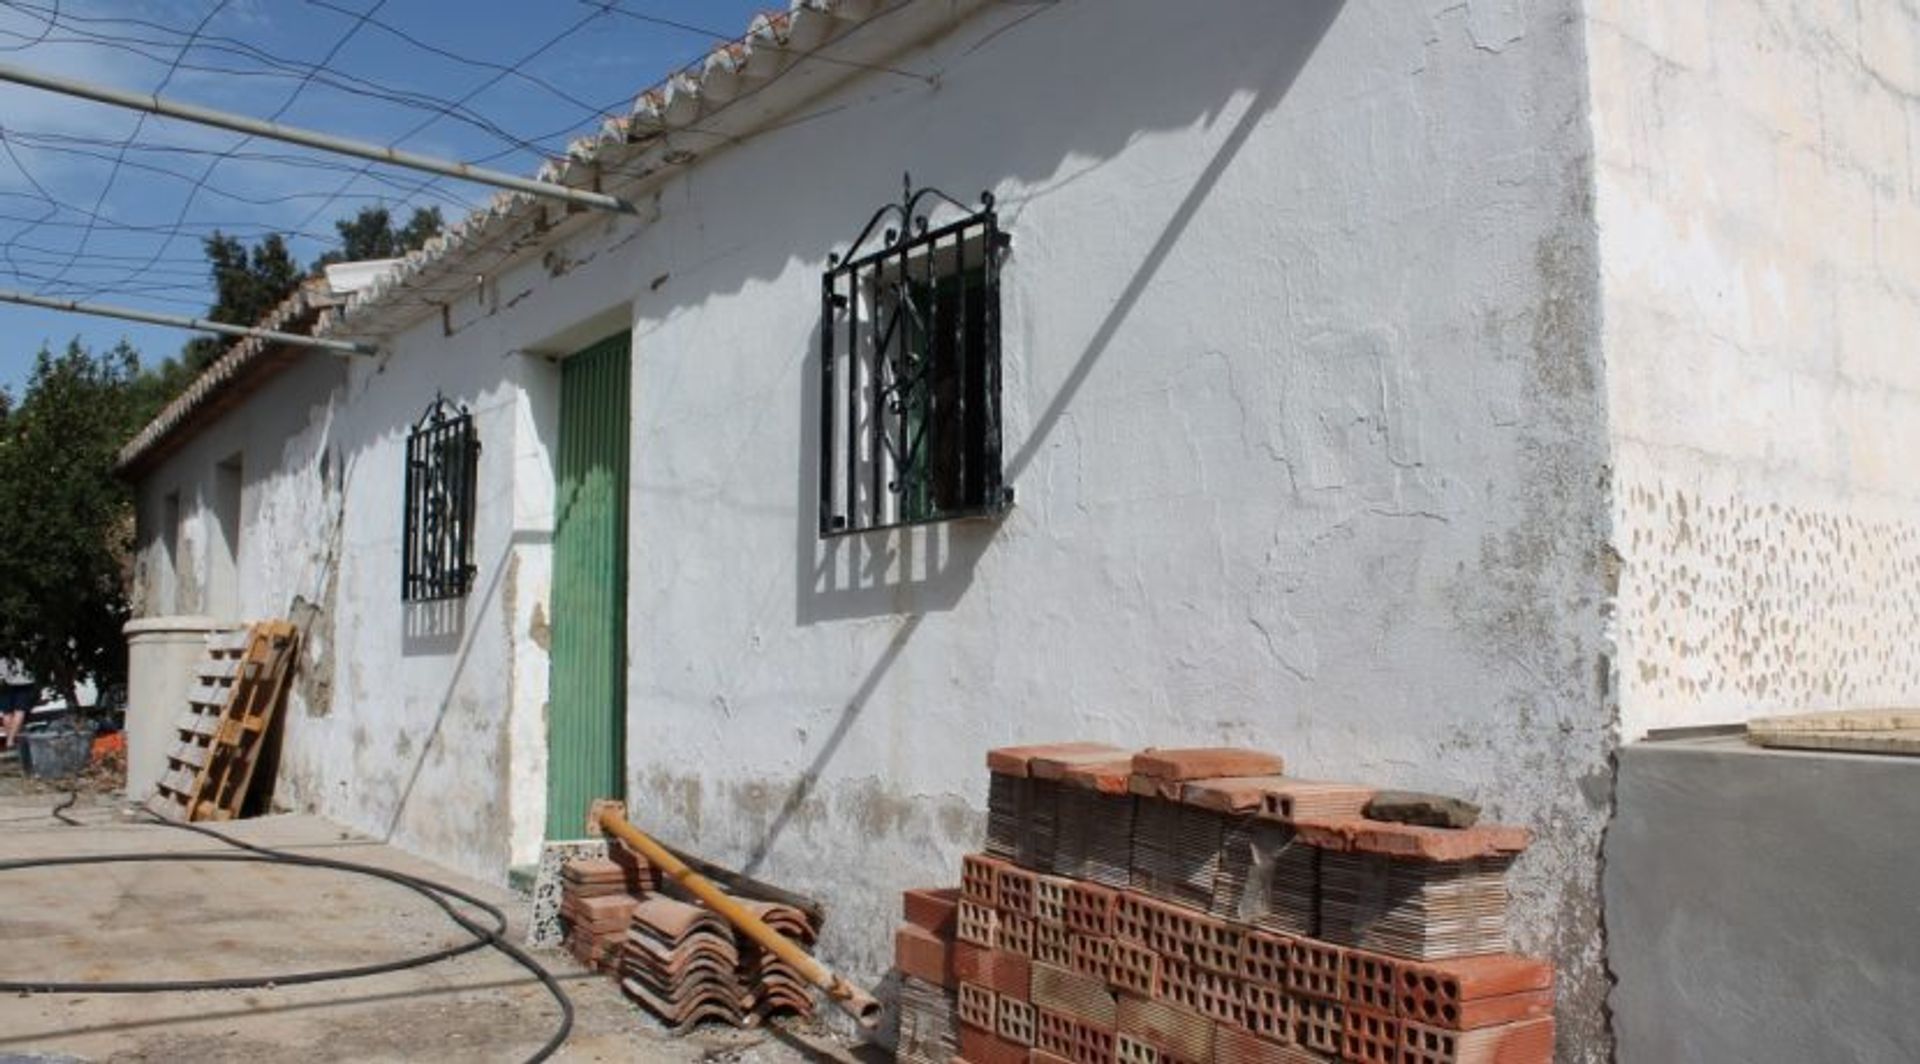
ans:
x=1301 y=406
x=1303 y=409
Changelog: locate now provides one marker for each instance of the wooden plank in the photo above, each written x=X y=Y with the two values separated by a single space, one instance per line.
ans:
x=1870 y=720
x=1904 y=742
x=243 y=681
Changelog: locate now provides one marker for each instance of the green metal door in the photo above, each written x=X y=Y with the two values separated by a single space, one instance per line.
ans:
x=587 y=699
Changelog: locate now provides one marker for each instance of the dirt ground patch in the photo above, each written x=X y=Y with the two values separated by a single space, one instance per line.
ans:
x=214 y=920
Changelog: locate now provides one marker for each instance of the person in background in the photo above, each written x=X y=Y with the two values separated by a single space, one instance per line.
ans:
x=18 y=693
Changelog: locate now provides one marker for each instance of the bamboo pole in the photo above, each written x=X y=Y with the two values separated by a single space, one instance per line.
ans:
x=610 y=818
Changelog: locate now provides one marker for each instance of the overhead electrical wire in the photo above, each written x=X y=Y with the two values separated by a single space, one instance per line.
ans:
x=113 y=173
x=121 y=273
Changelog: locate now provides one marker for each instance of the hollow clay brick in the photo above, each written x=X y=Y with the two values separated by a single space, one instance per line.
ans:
x=1018 y=760
x=1316 y=969
x=1370 y=981
x=977 y=1005
x=1526 y=1042
x=1061 y=1035
x=1205 y=762
x=1319 y=1025
x=980 y=879
x=931 y=909
x=1089 y=909
x=1264 y=957
x=1106 y=775
x=1371 y=1037
x=1013 y=890
x=997 y=970
x=1180 y=1034
x=1298 y=799
x=976 y=924
x=1050 y=899
x=1136 y=968
x=1230 y=794
x=1015 y=934
x=1131 y=1050
x=1467 y=978
x=1082 y=997
x=1091 y=955
x=1014 y=1021
x=1410 y=841
x=1269 y=1010
x=979 y=1045
x=1053 y=945
x=1234 y=1046
x=1056 y=764
x=923 y=955
x=1212 y=994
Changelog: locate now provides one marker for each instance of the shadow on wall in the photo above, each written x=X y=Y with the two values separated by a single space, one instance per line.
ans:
x=459 y=642
x=912 y=571
x=430 y=629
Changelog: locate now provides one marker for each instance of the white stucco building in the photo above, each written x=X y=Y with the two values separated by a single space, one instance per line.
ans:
x=1437 y=393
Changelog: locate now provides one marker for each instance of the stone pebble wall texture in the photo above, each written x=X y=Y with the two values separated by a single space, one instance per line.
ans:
x=1734 y=605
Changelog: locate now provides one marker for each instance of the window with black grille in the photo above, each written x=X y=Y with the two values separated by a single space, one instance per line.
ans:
x=443 y=458
x=910 y=369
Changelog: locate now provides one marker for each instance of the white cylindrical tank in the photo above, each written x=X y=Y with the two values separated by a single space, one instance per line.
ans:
x=162 y=653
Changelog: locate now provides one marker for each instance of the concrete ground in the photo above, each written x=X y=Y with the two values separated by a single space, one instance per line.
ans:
x=207 y=920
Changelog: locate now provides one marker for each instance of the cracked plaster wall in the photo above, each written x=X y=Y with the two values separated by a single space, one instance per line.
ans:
x=399 y=712
x=1758 y=191
x=1303 y=410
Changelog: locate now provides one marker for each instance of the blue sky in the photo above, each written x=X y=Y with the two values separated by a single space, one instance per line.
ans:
x=82 y=218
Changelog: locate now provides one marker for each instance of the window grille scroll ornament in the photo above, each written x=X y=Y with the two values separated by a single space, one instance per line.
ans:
x=910 y=368
x=443 y=454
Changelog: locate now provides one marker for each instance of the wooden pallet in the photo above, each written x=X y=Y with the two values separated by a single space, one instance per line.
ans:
x=239 y=688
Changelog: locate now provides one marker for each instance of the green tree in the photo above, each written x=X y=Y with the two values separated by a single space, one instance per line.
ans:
x=248 y=282
x=370 y=234
x=66 y=526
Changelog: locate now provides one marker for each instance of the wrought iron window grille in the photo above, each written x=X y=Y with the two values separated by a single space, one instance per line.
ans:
x=910 y=368
x=443 y=459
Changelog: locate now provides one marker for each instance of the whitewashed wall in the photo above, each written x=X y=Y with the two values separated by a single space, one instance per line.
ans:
x=1303 y=412
x=1759 y=208
x=410 y=722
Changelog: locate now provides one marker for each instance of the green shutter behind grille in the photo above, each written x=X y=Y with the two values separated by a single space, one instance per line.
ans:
x=586 y=716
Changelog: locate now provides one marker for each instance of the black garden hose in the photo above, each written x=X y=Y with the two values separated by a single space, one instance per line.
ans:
x=438 y=893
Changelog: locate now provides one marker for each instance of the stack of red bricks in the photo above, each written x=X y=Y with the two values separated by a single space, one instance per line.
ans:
x=924 y=954
x=1262 y=919
x=597 y=897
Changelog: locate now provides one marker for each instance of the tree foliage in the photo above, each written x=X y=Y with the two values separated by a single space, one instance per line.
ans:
x=371 y=235
x=65 y=522
x=250 y=280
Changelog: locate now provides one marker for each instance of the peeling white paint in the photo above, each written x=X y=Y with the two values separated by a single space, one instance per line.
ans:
x=1303 y=408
